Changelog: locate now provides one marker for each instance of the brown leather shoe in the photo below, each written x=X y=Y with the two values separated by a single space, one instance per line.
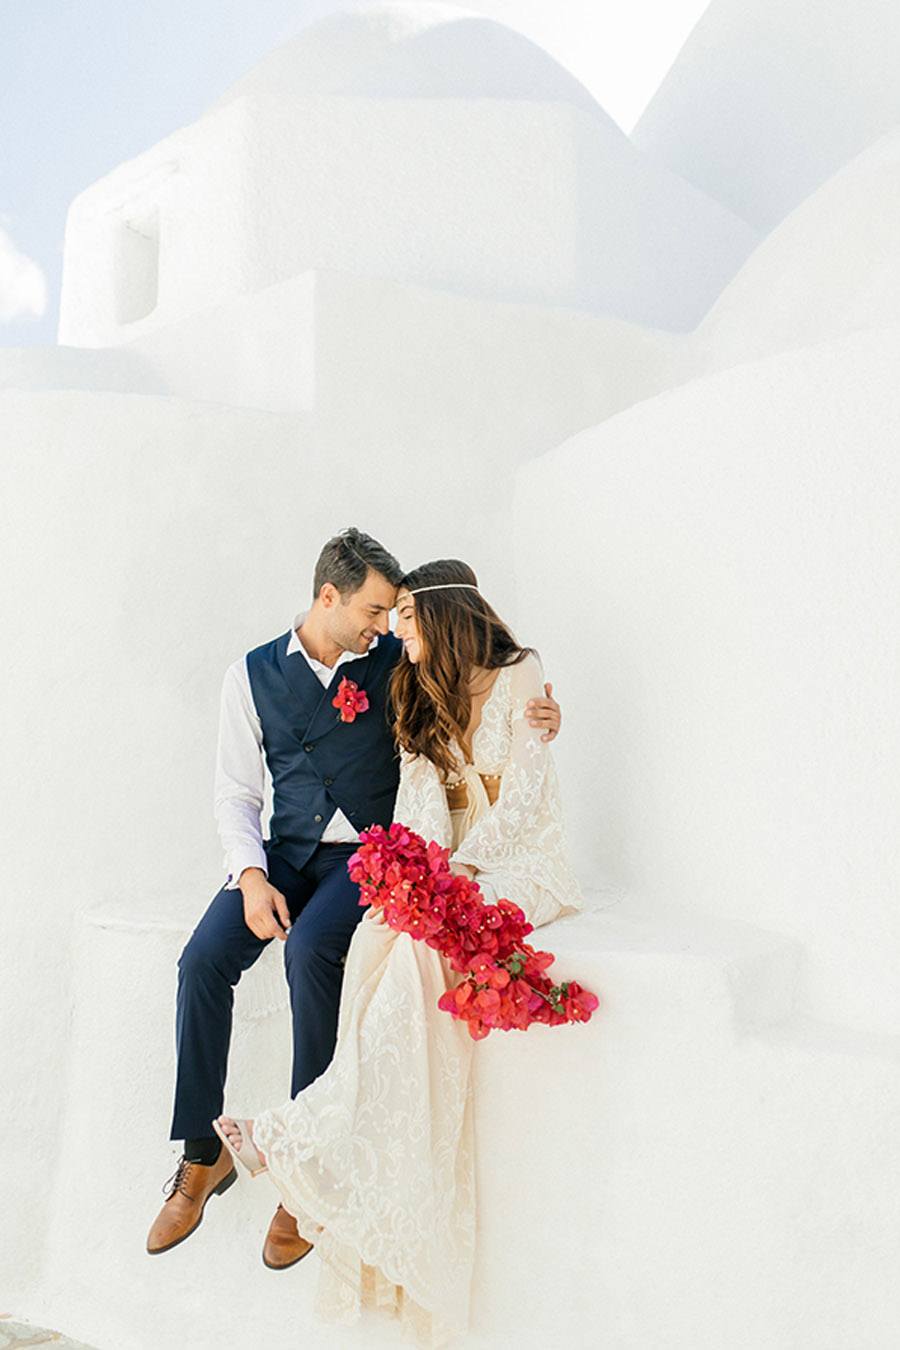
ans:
x=189 y=1189
x=284 y=1246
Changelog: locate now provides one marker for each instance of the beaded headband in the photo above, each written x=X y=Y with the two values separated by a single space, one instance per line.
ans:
x=446 y=586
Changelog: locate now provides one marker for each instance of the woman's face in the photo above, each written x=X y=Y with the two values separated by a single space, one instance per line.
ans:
x=407 y=629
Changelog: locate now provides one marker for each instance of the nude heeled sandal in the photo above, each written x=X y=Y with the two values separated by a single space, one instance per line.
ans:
x=248 y=1154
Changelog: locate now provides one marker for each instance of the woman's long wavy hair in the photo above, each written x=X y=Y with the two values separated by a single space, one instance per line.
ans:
x=458 y=630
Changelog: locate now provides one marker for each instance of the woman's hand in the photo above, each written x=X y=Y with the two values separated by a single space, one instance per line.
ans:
x=462 y=870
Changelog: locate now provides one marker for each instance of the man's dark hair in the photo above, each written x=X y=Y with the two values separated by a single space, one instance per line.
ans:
x=346 y=559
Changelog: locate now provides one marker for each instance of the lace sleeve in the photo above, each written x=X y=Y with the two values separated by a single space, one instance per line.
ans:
x=510 y=827
x=421 y=805
x=421 y=800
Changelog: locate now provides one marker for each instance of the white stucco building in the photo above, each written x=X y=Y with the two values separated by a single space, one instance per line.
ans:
x=407 y=274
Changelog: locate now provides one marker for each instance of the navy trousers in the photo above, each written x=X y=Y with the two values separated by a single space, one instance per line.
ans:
x=324 y=907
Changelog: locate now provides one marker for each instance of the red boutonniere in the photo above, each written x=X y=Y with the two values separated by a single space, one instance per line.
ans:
x=350 y=700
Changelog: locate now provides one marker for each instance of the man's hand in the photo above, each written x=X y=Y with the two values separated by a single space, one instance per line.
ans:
x=545 y=712
x=265 y=910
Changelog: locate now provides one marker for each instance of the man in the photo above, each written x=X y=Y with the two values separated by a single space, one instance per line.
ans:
x=333 y=774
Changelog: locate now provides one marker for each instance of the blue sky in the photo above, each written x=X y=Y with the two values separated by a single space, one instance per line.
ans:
x=86 y=84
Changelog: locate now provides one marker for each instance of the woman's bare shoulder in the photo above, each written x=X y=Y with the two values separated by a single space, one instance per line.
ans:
x=529 y=669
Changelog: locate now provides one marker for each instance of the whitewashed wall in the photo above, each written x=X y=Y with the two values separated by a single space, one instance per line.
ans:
x=716 y=573
x=147 y=542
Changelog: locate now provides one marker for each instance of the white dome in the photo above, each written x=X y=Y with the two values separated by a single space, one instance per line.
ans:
x=404 y=50
x=791 y=292
x=766 y=100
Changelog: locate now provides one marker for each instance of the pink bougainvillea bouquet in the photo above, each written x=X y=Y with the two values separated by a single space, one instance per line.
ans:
x=505 y=986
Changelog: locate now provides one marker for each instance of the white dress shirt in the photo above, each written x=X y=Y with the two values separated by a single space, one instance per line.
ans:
x=241 y=770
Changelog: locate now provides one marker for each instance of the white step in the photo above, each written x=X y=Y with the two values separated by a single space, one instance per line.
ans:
x=698 y=1166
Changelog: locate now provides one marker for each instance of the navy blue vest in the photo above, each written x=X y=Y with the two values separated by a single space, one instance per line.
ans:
x=318 y=762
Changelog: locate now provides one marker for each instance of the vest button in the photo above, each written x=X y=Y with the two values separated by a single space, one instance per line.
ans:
x=309 y=747
x=328 y=782
x=317 y=819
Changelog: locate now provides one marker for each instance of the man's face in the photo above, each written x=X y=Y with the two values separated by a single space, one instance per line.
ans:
x=358 y=618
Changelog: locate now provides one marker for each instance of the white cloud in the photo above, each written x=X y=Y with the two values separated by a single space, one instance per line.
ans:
x=23 y=286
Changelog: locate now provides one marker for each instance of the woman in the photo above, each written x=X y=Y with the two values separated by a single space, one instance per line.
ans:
x=375 y=1158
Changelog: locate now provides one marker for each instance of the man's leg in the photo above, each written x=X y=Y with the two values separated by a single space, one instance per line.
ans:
x=220 y=949
x=314 y=955
x=321 y=929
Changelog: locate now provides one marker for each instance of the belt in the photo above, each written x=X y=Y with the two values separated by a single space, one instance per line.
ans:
x=458 y=793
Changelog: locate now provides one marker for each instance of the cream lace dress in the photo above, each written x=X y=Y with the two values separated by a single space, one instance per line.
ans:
x=376 y=1157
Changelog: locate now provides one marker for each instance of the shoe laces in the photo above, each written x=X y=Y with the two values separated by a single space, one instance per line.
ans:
x=176 y=1181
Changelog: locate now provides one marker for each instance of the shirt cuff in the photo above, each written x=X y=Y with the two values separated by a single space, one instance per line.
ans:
x=246 y=857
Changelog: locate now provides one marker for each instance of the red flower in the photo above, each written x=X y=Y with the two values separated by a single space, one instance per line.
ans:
x=350 y=699
x=504 y=983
